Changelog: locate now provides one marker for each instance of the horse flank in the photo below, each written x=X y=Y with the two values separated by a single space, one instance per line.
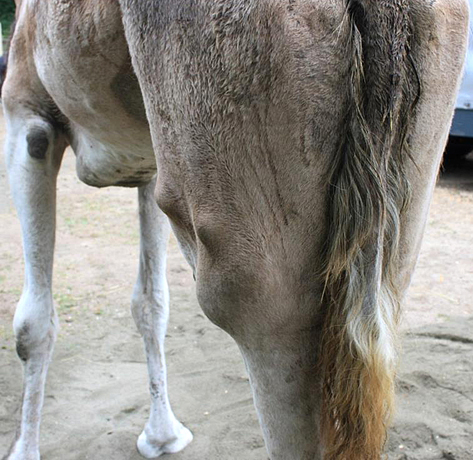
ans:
x=368 y=193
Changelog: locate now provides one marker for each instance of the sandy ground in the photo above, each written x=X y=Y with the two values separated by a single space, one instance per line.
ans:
x=96 y=397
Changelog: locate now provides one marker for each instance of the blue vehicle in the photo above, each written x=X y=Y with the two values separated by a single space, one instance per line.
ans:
x=461 y=132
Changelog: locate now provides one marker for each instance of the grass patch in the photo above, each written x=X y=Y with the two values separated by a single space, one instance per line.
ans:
x=65 y=301
x=7 y=16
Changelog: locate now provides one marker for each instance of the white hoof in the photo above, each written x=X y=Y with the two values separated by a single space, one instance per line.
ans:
x=19 y=453
x=153 y=449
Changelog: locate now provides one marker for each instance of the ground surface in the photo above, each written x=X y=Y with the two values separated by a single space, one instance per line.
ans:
x=96 y=398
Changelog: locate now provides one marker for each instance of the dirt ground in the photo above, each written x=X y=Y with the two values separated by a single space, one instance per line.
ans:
x=97 y=398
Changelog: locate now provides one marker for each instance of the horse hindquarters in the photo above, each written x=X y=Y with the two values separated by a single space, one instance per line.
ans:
x=244 y=270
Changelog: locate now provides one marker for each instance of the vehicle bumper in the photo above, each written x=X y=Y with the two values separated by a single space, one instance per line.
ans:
x=462 y=125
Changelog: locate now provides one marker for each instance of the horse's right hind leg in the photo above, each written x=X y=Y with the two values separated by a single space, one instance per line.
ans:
x=150 y=307
x=33 y=152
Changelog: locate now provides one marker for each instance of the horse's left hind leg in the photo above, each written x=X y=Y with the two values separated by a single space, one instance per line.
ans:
x=33 y=151
x=150 y=307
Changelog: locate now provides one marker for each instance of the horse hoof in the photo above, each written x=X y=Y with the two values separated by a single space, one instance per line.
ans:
x=153 y=449
x=19 y=454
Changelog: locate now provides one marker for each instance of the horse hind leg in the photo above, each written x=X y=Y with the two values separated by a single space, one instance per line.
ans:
x=150 y=307
x=33 y=150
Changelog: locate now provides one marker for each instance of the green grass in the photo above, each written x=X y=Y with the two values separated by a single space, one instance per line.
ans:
x=65 y=301
x=7 y=15
x=6 y=27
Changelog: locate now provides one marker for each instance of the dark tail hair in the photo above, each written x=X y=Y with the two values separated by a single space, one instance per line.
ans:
x=368 y=193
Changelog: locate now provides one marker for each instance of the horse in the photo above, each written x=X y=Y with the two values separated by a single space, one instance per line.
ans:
x=295 y=145
x=70 y=82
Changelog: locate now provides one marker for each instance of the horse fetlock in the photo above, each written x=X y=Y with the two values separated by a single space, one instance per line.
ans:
x=164 y=440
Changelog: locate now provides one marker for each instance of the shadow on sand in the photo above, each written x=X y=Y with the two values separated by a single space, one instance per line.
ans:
x=457 y=173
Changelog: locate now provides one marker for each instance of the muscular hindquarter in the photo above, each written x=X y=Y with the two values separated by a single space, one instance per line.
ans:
x=69 y=67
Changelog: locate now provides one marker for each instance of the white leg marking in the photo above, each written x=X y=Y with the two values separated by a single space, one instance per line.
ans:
x=150 y=307
x=33 y=185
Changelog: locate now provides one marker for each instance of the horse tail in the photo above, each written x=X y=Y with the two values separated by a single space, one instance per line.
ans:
x=368 y=192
